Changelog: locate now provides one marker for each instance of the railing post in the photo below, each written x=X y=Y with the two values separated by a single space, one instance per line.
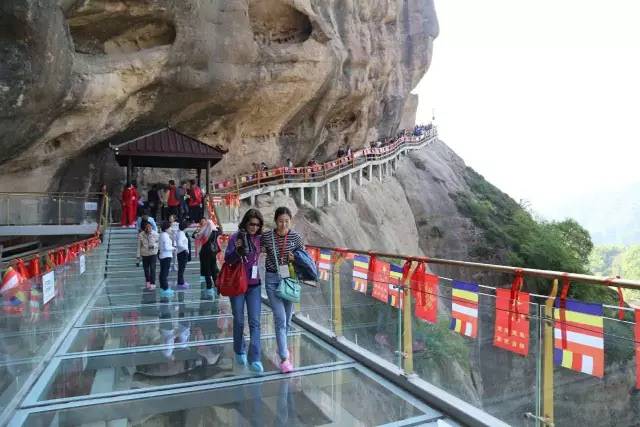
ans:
x=59 y=210
x=407 y=322
x=547 y=386
x=337 y=300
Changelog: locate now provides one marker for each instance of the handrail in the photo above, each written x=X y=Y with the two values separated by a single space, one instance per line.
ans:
x=325 y=170
x=46 y=251
x=52 y=194
x=546 y=274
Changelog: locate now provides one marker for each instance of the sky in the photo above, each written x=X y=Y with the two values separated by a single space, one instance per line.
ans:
x=541 y=97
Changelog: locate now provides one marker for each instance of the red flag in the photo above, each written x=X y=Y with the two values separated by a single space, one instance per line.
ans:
x=425 y=291
x=314 y=253
x=512 y=322
x=636 y=330
x=380 y=277
x=34 y=267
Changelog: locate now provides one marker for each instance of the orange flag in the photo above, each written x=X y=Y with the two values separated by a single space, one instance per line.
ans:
x=424 y=288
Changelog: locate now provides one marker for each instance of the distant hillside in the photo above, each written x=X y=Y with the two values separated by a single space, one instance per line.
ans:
x=612 y=217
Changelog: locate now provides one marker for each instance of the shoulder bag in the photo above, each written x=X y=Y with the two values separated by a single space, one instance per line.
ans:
x=288 y=288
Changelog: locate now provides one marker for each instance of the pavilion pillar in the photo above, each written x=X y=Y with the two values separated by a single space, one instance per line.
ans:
x=206 y=177
x=315 y=197
x=129 y=170
x=199 y=179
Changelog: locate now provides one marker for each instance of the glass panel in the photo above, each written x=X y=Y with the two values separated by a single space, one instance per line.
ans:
x=368 y=322
x=502 y=383
x=582 y=399
x=179 y=364
x=139 y=335
x=28 y=331
x=329 y=398
x=103 y=316
x=113 y=299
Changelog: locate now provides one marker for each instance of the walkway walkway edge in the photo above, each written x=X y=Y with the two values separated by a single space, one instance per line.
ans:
x=430 y=394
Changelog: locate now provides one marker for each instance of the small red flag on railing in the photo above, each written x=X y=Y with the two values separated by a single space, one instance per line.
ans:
x=380 y=277
x=512 y=318
x=424 y=288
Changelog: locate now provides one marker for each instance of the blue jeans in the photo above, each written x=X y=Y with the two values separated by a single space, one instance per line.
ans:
x=253 y=301
x=282 y=311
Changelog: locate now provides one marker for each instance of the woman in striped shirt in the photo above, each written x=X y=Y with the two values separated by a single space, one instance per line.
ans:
x=286 y=241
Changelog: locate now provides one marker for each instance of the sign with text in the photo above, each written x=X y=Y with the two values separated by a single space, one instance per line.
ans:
x=48 y=287
x=90 y=206
x=83 y=264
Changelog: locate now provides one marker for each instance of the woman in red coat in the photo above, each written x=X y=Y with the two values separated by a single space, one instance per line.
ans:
x=129 y=206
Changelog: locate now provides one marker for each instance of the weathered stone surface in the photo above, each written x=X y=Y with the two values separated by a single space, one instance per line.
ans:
x=268 y=79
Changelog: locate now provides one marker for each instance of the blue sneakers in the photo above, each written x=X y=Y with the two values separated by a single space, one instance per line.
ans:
x=166 y=293
x=241 y=359
x=256 y=367
x=210 y=293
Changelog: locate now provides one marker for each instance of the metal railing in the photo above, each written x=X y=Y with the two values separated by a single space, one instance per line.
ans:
x=378 y=324
x=20 y=209
x=319 y=173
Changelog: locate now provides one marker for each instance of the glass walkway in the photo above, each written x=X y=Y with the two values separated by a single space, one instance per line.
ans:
x=129 y=358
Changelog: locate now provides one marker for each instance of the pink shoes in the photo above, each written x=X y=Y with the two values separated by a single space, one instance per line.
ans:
x=150 y=286
x=286 y=367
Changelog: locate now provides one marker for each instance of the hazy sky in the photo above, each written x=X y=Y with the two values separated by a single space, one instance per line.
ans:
x=541 y=97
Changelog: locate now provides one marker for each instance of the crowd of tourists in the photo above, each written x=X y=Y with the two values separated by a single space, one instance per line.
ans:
x=185 y=202
x=266 y=258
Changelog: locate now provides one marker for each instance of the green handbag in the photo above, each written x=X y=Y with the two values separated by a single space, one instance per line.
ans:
x=289 y=287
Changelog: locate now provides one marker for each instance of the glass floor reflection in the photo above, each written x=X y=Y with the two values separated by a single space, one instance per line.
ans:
x=134 y=359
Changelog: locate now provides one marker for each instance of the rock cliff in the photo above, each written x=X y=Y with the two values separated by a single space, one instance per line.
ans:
x=267 y=79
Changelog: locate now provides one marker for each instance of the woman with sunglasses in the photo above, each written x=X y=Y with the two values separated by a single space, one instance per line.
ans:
x=244 y=246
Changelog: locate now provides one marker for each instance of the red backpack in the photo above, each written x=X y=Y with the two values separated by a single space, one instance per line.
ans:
x=232 y=280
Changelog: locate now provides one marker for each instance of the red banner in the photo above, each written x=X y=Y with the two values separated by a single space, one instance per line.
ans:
x=380 y=277
x=424 y=288
x=512 y=322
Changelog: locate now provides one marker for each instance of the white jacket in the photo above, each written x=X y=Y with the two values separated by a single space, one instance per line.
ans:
x=166 y=246
x=182 y=244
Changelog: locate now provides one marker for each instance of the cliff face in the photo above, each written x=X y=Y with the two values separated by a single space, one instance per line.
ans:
x=267 y=79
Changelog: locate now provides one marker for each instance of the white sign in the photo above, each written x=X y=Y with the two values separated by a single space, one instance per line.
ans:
x=90 y=206
x=83 y=264
x=48 y=287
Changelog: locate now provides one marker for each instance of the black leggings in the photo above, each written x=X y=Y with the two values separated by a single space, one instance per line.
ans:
x=165 y=263
x=182 y=265
x=149 y=266
x=209 y=281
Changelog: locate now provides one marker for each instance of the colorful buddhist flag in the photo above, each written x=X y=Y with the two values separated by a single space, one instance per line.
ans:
x=464 y=308
x=395 y=274
x=324 y=264
x=579 y=336
x=636 y=333
x=396 y=294
x=512 y=322
x=424 y=288
x=380 y=277
x=360 y=273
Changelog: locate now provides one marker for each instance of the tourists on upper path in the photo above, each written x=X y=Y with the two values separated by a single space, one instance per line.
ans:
x=279 y=245
x=244 y=246
x=147 y=251
x=129 y=205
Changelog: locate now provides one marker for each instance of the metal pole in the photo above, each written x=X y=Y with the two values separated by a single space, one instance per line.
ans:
x=407 y=322
x=206 y=177
x=337 y=301
x=129 y=169
x=547 y=390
